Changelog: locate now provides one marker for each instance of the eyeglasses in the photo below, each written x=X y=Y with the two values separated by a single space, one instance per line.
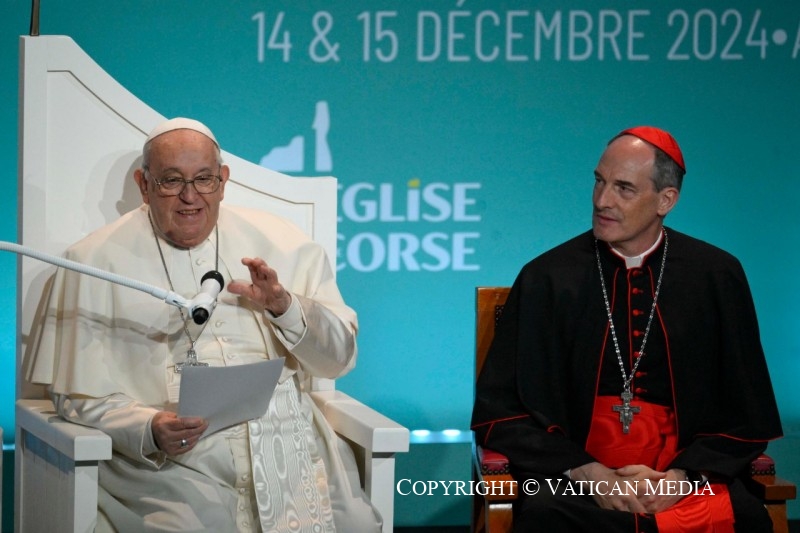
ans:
x=205 y=184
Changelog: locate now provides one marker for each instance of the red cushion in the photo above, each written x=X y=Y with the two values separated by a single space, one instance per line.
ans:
x=492 y=462
x=762 y=466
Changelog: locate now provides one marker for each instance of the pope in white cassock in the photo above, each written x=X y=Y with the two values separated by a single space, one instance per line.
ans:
x=109 y=354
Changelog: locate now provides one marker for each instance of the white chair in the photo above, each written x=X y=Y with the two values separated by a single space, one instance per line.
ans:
x=81 y=134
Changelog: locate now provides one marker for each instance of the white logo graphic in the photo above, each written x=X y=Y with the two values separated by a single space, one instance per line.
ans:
x=291 y=157
x=422 y=227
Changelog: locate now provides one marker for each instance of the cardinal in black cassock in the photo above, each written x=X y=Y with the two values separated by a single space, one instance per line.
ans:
x=630 y=353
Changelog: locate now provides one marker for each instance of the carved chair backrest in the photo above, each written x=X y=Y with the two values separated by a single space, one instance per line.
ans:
x=489 y=302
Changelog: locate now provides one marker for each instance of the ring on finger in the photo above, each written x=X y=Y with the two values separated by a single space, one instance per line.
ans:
x=184 y=443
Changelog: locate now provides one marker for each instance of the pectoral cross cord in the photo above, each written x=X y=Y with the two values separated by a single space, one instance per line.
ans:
x=191 y=353
x=626 y=410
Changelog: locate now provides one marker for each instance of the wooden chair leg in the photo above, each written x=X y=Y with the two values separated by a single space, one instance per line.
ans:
x=774 y=492
x=499 y=517
x=777 y=512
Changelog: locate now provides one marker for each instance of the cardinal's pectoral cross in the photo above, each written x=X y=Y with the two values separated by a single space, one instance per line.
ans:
x=626 y=411
x=191 y=360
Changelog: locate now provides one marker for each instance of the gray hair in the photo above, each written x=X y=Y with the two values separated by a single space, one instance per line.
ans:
x=666 y=172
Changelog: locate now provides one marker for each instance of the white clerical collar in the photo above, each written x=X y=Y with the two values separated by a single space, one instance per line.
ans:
x=637 y=260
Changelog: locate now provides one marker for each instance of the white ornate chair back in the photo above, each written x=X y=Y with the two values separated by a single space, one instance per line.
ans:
x=80 y=141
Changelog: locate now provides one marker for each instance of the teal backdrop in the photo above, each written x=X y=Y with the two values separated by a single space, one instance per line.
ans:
x=464 y=135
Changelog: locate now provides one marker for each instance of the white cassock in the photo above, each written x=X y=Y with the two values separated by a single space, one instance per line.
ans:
x=109 y=353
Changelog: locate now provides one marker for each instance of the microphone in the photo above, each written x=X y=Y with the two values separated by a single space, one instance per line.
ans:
x=202 y=305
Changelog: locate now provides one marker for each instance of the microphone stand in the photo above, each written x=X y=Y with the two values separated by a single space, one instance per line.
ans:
x=169 y=297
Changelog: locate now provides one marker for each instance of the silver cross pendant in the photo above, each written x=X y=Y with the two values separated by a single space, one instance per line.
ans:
x=626 y=410
x=191 y=360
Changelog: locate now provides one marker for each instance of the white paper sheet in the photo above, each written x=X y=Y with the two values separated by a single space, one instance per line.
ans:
x=228 y=395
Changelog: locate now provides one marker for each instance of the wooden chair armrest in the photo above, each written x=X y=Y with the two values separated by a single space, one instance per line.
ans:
x=57 y=465
x=772 y=488
x=492 y=470
x=77 y=443
x=361 y=424
x=765 y=484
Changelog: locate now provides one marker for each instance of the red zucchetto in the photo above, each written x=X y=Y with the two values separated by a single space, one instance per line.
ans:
x=659 y=138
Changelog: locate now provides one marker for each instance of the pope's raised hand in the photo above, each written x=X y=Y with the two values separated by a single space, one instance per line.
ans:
x=264 y=289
